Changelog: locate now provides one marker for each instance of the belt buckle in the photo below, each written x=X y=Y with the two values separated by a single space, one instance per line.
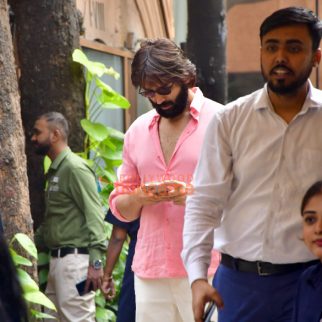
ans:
x=260 y=269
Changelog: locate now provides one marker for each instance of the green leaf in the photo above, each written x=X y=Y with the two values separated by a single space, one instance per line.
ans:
x=112 y=164
x=111 y=155
x=95 y=68
x=43 y=276
x=111 y=175
x=103 y=315
x=41 y=315
x=92 y=67
x=115 y=134
x=108 y=95
x=96 y=131
x=19 y=260
x=106 y=144
x=43 y=259
x=100 y=299
x=47 y=163
x=26 y=243
x=111 y=144
x=40 y=298
x=27 y=283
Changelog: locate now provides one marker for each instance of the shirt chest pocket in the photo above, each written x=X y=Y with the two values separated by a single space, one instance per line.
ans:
x=308 y=166
x=55 y=190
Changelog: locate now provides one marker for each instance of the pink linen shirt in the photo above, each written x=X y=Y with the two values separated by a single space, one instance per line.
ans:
x=159 y=242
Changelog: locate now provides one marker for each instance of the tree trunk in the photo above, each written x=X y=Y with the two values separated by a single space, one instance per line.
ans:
x=46 y=33
x=14 y=198
x=206 y=46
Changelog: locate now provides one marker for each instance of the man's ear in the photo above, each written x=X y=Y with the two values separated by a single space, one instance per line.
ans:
x=317 y=57
x=56 y=135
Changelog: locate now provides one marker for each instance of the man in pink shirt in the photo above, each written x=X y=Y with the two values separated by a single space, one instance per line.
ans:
x=162 y=144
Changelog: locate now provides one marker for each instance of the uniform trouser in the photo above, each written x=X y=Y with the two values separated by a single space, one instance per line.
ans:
x=249 y=297
x=64 y=273
x=163 y=300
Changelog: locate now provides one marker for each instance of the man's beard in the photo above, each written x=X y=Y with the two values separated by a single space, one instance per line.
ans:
x=177 y=107
x=42 y=149
x=281 y=89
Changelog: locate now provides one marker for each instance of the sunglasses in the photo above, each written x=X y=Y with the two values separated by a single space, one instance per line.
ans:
x=149 y=93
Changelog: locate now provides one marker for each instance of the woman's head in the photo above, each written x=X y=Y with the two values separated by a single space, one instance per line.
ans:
x=311 y=211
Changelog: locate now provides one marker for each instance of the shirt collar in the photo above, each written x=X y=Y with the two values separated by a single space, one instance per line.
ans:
x=195 y=106
x=313 y=98
x=312 y=101
x=197 y=103
x=61 y=156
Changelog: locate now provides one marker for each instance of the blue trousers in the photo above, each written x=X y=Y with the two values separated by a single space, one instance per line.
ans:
x=251 y=298
x=126 y=305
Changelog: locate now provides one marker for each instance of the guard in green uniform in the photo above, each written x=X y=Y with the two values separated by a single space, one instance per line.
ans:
x=73 y=226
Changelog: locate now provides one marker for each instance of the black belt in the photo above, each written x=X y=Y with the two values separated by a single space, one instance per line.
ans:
x=61 y=252
x=261 y=268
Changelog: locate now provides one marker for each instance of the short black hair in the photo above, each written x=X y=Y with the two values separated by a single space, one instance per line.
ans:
x=294 y=16
x=58 y=120
x=314 y=190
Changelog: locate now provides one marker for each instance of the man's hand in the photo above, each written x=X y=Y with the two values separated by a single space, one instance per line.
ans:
x=202 y=293
x=149 y=198
x=168 y=190
x=108 y=287
x=94 y=277
x=178 y=199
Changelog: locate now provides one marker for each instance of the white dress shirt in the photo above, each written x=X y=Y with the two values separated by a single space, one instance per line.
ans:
x=252 y=174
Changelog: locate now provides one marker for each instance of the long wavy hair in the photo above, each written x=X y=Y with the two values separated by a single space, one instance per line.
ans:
x=162 y=62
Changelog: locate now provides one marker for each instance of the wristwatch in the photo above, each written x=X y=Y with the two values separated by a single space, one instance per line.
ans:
x=97 y=264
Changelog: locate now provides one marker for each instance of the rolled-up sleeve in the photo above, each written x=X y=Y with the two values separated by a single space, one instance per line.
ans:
x=212 y=186
x=128 y=178
x=84 y=191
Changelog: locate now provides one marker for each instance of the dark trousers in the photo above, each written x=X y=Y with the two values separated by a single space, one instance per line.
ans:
x=126 y=304
x=249 y=297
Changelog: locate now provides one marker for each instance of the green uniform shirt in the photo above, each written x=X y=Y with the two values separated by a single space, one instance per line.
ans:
x=74 y=216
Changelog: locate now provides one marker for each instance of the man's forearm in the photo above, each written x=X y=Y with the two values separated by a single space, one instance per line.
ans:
x=129 y=206
x=114 y=248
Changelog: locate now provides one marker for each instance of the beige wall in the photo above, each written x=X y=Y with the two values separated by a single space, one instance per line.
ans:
x=122 y=23
x=111 y=20
x=243 y=22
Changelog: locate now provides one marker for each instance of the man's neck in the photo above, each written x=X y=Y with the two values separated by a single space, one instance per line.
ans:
x=56 y=150
x=287 y=106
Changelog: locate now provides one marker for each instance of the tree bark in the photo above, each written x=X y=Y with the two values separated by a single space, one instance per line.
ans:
x=14 y=197
x=46 y=33
x=206 y=46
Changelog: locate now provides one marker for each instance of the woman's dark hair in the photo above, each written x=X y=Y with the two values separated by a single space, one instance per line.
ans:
x=162 y=62
x=315 y=189
x=12 y=304
x=293 y=16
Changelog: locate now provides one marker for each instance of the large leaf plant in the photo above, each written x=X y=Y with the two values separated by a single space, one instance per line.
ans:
x=103 y=147
x=31 y=293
